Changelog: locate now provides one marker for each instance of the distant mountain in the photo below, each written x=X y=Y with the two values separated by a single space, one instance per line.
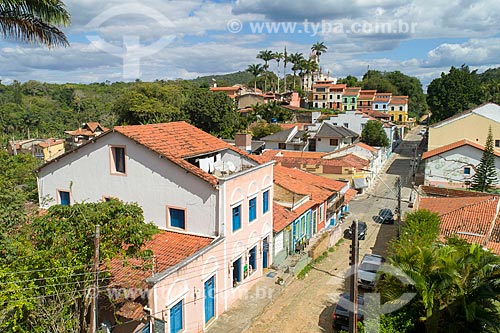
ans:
x=225 y=79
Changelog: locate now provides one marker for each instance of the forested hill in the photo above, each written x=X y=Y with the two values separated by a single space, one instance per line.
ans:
x=225 y=79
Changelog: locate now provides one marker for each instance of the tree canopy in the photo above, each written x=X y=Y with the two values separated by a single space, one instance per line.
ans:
x=373 y=134
x=486 y=172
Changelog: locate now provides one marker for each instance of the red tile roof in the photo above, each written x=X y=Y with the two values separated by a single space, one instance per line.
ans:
x=177 y=141
x=271 y=153
x=233 y=88
x=452 y=146
x=378 y=114
x=283 y=216
x=50 y=142
x=318 y=188
x=93 y=126
x=365 y=146
x=169 y=249
x=349 y=195
x=470 y=218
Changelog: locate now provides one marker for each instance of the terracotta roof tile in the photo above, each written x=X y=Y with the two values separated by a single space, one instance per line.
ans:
x=50 y=142
x=233 y=88
x=169 y=249
x=349 y=195
x=452 y=146
x=301 y=182
x=177 y=141
x=283 y=216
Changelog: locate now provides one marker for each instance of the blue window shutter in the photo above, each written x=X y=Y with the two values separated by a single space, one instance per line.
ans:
x=252 y=209
x=265 y=201
x=64 y=198
x=177 y=218
x=176 y=318
x=236 y=218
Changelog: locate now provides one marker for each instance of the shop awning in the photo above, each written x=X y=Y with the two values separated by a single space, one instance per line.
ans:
x=359 y=183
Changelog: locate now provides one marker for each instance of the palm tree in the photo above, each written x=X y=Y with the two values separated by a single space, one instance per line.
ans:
x=278 y=56
x=267 y=56
x=296 y=59
x=255 y=70
x=285 y=61
x=34 y=21
x=319 y=48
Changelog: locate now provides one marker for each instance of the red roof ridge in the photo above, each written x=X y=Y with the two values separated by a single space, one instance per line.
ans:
x=452 y=146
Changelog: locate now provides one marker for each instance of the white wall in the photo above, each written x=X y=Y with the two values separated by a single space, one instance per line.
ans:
x=448 y=167
x=151 y=181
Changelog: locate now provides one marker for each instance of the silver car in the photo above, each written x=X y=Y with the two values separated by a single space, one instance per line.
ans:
x=367 y=271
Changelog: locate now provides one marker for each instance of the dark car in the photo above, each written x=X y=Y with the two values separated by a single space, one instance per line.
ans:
x=361 y=231
x=386 y=216
x=340 y=315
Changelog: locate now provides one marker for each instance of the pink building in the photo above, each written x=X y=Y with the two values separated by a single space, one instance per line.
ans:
x=212 y=201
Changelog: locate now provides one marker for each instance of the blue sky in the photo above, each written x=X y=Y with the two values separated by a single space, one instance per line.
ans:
x=169 y=39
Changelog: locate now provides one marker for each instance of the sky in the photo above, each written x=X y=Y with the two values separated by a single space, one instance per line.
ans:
x=169 y=39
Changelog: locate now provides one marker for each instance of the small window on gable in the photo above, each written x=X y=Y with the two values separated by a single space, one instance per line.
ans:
x=118 y=160
x=64 y=198
x=334 y=142
x=467 y=171
x=177 y=217
x=281 y=145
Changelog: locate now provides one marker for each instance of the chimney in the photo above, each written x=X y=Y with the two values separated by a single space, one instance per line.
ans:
x=243 y=141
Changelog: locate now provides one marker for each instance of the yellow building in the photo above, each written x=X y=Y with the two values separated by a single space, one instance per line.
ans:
x=50 y=148
x=471 y=124
x=398 y=109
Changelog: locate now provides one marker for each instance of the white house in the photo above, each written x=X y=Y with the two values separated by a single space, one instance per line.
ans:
x=212 y=201
x=454 y=164
x=376 y=156
x=356 y=120
x=329 y=137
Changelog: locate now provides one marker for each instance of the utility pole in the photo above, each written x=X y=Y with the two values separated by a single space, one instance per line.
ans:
x=353 y=262
x=95 y=291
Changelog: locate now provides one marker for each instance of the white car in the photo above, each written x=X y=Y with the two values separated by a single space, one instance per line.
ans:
x=367 y=271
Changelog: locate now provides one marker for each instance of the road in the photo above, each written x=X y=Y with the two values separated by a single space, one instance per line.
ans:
x=306 y=305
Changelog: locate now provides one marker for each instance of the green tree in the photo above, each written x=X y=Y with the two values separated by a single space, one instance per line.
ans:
x=212 y=112
x=486 y=174
x=255 y=70
x=350 y=80
x=319 y=48
x=266 y=56
x=373 y=134
x=262 y=129
x=34 y=21
x=46 y=276
x=296 y=59
x=270 y=111
x=452 y=93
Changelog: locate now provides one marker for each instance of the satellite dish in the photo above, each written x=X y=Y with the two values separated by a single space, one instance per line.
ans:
x=230 y=166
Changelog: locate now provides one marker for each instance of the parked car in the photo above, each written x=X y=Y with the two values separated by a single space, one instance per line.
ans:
x=340 y=315
x=422 y=131
x=386 y=216
x=367 y=271
x=362 y=227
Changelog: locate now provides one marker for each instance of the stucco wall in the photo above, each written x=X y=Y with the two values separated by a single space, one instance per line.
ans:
x=153 y=182
x=448 y=168
x=472 y=127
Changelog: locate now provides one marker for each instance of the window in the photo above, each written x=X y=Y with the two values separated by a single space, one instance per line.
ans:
x=252 y=209
x=400 y=108
x=236 y=218
x=400 y=118
x=324 y=96
x=353 y=100
x=353 y=107
x=346 y=125
x=265 y=202
x=281 y=145
x=376 y=106
x=360 y=103
x=118 y=160
x=497 y=143
x=384 y=106
x=177 y=318
x=338 y=96
x=369 y=103
x=334 y=142
x=345 y=107
x=64 y=198
x=177 y=217
x=467 y=171
x=236 y=272
x=316 y=105
x=334 y=124
x=345 y=99
x=321 y=213
x=316 y=97
x=392 y=108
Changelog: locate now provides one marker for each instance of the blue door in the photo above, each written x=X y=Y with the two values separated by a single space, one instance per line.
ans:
x=209 y=299
x=176 y=322
x=265 y=251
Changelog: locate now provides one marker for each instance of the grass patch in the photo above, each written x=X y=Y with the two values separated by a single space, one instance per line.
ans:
x=302 y=274
x=340 y=242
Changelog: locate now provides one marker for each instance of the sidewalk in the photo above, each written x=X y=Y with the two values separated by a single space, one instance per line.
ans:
x=240 y=315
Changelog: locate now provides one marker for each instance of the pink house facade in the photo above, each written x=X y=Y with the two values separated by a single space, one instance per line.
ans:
x=212 y=201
